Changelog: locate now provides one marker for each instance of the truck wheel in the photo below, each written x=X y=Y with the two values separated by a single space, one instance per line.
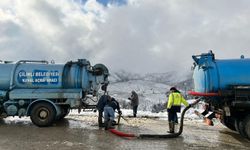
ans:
x=237 y=125
x=43 y=114
x=240 y=128
x=246 y=125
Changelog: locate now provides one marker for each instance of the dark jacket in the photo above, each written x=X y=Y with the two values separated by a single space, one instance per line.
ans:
x=134 y=99
x=102 y=102
x=114 y=104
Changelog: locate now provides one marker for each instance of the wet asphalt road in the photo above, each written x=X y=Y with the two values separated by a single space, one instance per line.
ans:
x=82 y=132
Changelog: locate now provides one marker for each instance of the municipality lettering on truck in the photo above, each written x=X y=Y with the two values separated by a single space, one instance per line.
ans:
x=225 y=85
x=46 y=92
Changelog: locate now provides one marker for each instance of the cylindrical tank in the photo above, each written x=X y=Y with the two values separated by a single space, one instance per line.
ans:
x=211 y=75
x=40 y=74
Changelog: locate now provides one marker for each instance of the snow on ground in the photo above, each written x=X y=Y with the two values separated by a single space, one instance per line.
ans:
x=150 y=93
x=142 y=114
x=143 y=117
x=90 y=117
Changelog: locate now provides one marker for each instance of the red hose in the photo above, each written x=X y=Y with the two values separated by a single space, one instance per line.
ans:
x=119 y=133
x=202 y=94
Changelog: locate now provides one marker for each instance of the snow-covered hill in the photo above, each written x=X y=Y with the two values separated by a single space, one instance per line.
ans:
x=151 y=88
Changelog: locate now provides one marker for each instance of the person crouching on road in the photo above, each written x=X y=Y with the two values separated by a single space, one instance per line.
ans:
x=174 y=105
x=109 y=112
x=100 y=107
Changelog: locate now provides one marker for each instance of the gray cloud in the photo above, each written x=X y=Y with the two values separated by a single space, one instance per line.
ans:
x=142 y=36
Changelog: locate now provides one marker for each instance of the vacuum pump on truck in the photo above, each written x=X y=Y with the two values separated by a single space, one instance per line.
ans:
x=47 y=91
x=225 y=85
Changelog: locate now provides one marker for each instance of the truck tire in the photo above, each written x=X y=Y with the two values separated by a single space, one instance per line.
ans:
x=246 y=125
x=43 y=114
x=237 y=125
x=240 y=128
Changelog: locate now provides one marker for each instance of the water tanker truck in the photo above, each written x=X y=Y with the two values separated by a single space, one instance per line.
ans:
x=47 y=91
x=225 y=85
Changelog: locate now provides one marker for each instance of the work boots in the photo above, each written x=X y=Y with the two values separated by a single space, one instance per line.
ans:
x=100 y=124
x=108 y=125
x=100 y=116
x=171 y=127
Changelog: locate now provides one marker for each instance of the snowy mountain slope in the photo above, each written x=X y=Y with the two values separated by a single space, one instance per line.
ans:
x=151 y=88
x=149 y=93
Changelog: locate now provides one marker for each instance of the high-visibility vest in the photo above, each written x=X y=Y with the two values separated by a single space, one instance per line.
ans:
x=175 y=99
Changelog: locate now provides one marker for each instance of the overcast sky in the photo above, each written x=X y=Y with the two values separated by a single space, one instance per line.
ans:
x=140 y=36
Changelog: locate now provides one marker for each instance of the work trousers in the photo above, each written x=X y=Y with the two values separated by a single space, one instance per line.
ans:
x=100 y=115
x=135 y=109
x=172 y=117
x=109 y=113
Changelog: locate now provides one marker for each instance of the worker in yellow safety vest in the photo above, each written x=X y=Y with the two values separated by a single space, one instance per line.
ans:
x=175 y=99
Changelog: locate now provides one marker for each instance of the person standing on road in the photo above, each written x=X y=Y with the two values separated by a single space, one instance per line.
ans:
x=175 y=99
x=134 y=102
